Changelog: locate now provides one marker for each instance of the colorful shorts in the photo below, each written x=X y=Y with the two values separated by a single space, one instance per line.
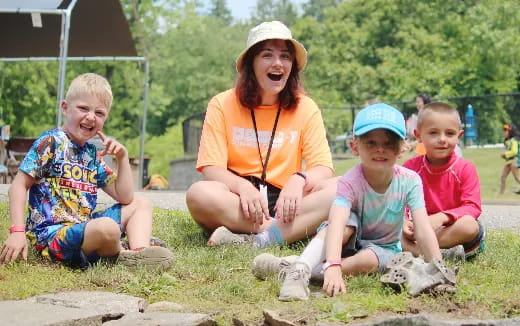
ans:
x=477 y=245
x=63 y=241
x=355 y=244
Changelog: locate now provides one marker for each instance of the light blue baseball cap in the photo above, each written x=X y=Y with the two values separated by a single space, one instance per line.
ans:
x=377 y=116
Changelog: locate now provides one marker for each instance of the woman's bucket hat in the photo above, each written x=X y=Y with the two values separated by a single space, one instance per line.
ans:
x=269 y=31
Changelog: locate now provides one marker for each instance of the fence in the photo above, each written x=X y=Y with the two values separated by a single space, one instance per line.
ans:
x=491 y=112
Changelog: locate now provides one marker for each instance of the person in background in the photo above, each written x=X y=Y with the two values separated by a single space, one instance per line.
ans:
x=411 y=124
x=255 y=136
x=450 y=184
x=510 y=156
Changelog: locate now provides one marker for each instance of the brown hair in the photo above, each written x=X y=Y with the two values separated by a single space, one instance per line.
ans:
x=247 y=87
x=437 y=107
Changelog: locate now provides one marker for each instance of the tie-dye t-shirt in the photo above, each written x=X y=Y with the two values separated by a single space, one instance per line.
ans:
x=67 y=178
x=381 y=215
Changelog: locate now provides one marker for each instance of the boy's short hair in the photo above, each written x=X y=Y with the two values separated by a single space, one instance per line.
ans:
x=90 y=84
x=437 y=107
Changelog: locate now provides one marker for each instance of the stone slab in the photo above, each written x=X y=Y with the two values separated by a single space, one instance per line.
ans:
x=163 y=319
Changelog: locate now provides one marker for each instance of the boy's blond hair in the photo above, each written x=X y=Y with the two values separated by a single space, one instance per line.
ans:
x=90 y=84
x=437 y=107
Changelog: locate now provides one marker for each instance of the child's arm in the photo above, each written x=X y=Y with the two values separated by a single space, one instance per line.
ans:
x=470 y=201
x=16 y=243
x=333 y=279
x=425 y=235
x=122 y=190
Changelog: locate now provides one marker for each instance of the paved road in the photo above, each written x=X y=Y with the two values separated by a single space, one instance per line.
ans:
x=495 y=214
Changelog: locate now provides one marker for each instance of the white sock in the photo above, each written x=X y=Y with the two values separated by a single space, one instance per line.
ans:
x=314 y=253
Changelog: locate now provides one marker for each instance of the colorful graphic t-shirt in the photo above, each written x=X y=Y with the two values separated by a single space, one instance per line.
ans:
x=67 y=178
x=380 y=215
x=228 y=138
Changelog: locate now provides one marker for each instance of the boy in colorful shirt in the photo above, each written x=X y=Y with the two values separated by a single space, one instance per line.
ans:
x=63 y=172
x=450 y=183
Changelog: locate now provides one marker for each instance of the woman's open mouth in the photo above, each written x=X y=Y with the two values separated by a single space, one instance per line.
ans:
x=275 y=77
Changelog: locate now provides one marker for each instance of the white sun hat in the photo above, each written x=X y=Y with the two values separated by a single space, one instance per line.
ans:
x=269 y=31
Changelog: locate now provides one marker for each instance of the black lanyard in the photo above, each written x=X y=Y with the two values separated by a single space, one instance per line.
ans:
x=264 y=165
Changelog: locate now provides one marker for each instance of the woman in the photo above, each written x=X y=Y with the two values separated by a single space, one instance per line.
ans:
x=252 y=145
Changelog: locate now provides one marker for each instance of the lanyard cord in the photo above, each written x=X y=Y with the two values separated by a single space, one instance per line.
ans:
x=264 y=165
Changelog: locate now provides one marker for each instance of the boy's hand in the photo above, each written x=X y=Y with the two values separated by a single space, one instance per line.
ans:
x=112 y=147
x=333 y=282
x=15 y=244
x=408 y=230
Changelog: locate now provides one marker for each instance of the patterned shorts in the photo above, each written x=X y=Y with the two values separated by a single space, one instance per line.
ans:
x=63 y=242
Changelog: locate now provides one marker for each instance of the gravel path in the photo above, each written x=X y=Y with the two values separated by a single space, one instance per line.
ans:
x=495 y=214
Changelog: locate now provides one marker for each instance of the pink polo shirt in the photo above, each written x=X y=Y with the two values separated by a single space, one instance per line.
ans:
x=452 y=189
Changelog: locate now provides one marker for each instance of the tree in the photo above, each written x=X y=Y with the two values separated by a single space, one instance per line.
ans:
x=316 y=8
x=219 y=9
x=267 y=10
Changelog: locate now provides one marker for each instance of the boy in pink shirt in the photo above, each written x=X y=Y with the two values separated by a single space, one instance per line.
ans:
x=450 y=184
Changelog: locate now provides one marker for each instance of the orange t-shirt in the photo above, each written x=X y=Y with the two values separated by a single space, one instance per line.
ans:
x=228 y=138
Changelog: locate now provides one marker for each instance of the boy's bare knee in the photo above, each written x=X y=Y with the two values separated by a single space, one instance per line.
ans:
x=105 y=229
x=142 y=202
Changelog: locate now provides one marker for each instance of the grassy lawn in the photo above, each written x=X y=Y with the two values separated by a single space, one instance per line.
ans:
x=218 y=281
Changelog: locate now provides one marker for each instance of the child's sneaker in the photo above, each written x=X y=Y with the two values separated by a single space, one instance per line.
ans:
x=454 y=254
x=222 y=236
x=158 y=257
x=296 y=283
x=266 y=264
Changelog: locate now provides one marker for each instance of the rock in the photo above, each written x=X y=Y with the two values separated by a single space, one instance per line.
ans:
x=163 y=319
x=23 y=312
x=273 y=318
x=102 y=302
x=165 y=306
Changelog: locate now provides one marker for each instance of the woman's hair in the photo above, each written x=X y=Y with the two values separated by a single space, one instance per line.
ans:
x=425 y=98
x=248 y=90
x=512 y=131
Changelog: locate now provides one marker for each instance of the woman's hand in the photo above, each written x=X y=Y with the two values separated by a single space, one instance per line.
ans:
x=289 y=201
x=333 y=282
x=253 y=204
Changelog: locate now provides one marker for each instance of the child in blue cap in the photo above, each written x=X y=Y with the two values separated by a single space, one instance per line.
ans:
x=366 y=218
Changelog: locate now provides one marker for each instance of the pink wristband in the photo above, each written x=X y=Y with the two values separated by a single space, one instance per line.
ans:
x=330 y=264
x=17 y=228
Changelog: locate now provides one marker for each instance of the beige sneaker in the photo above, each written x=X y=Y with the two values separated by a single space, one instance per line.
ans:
x=266 y=264
x=296 y=283
x=454 y=254
x=222 y=236
x=155 y=257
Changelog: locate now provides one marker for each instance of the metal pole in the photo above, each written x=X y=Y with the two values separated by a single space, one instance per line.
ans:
x=64 y=49
x=143 y=123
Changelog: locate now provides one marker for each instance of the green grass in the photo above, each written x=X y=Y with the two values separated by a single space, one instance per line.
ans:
x=218 y=281
x=489 y=166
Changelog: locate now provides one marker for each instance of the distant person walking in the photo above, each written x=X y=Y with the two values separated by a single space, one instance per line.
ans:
x=252 y=145
x=411 y=124
x=510 y=155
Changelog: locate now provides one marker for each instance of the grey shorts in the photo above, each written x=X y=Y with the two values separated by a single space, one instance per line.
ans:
x=355 y=244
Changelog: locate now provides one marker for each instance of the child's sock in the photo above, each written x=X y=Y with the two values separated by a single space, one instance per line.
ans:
x=268 y=237
x=314 y=253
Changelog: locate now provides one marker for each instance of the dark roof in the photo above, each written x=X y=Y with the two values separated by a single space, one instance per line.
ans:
x=98 y=28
